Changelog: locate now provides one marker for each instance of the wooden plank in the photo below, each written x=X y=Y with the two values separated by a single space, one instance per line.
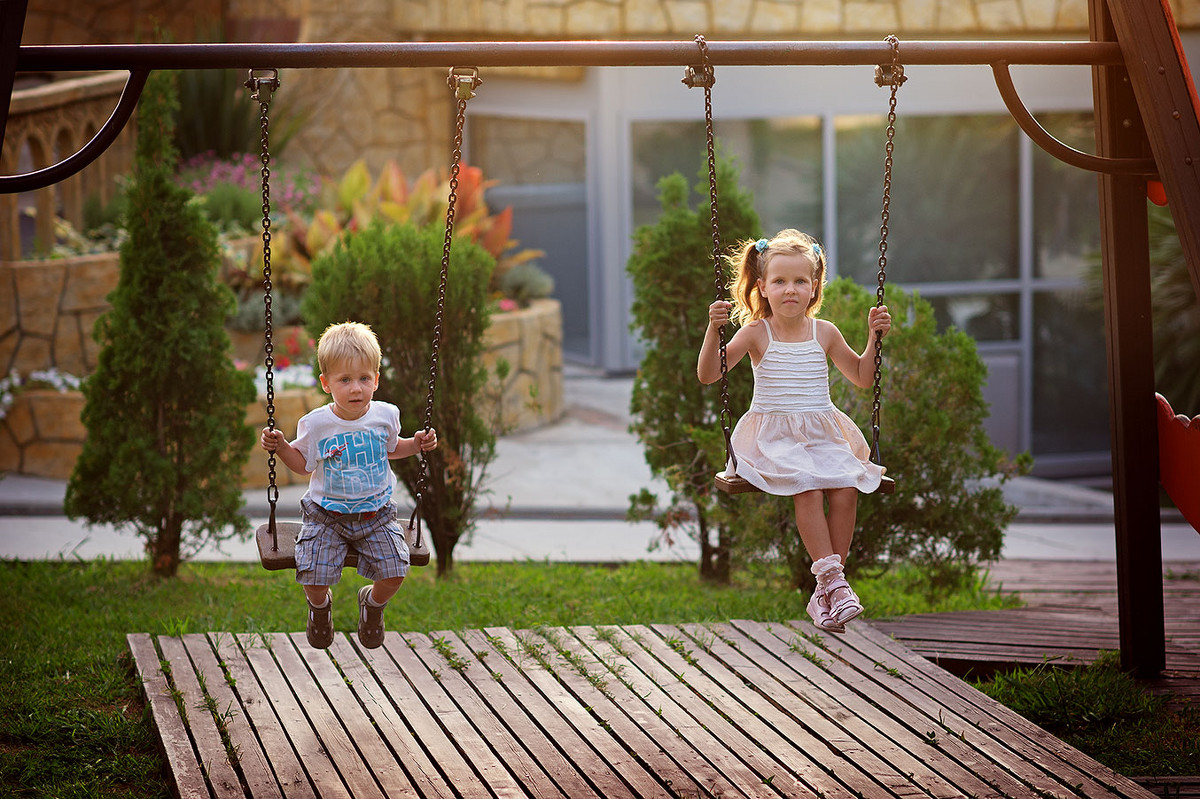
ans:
x=508 y=745
x=1000 y=755
x=458 y=727
x=1062 y=759
x=312 y=754
x=565 y=720
x=754 y=685
x=172 y=732
x=567 y=758
x=789 y=746
x=750 y=773
x=252 y=762
x=342 y=749
x=374 y=753
x=367 y=684
x=809 y=681
x=267 y=727
x=214 y=758
x=675 y=764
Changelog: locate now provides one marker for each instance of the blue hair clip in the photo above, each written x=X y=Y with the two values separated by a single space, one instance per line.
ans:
x=816 y=249
x=760 y=245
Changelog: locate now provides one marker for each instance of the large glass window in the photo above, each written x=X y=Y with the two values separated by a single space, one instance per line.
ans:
x=953 y=212
x=541 y=171
x=779 y=162
x=1070 y=387
x=1066 y=218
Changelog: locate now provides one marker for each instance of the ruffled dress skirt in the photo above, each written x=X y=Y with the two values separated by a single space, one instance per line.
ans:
x=790 y=453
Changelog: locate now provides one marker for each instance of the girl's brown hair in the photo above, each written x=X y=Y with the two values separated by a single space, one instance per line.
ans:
x=749 y=265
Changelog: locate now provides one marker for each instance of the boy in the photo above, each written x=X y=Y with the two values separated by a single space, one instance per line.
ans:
x=345 y=447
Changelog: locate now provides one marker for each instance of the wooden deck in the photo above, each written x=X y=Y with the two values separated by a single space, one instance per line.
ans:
x=740 y=709
x=1071 y=615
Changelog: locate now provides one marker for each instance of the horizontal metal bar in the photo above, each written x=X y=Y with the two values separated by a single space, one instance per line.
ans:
x=34 y=58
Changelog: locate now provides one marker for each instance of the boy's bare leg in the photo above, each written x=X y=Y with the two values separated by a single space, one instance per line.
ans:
x=316 y=594
x=385 y=589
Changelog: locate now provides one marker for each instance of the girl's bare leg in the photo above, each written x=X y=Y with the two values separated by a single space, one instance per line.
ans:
x=843 y=509
x=813 y=527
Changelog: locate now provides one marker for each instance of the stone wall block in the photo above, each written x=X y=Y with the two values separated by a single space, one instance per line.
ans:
x=52 y=459
x=19 y=420
x=594 y=18
x=10 y=451
x=1001 y=15
x=39 y=292
x=771 y=16
x=864 y=17
x=688 y=17
x=56 y=415
x=69 y=355
x=8 y=300
x=821 y=17
x=919 y=15
x=732 y=16
x=647 y=17
x=956 y=16
x=9 y=342
x=1074 y=17
x=33 y=353
x=89 y=281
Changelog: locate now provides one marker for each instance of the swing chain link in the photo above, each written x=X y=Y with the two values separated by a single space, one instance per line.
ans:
x=705 y=77
x=463 y=81
x=262 y=83
x=891 y=75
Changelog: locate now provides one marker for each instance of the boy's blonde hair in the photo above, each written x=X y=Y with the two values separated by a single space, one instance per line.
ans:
x=348 y=342
x=749 y=262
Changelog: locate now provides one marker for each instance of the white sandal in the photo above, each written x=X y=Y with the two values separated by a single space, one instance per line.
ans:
x=819 y=610
x=848 y=607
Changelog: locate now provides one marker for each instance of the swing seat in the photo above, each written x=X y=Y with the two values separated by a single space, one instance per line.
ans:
x=732 y=484
x=1179 y=459
x=284 y=556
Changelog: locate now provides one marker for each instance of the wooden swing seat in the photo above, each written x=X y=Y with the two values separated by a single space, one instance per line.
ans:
x=284 y=555
x=739 y=485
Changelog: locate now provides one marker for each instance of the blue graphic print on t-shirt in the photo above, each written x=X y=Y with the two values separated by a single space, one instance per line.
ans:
x=355 y=466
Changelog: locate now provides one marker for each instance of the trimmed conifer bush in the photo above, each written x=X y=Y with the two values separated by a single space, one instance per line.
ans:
x=166 y=408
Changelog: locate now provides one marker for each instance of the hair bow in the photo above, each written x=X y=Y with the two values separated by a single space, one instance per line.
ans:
x=760 y=245
x=816 y=250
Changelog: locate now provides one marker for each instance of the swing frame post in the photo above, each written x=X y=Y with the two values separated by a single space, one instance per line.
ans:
x=1136 y=37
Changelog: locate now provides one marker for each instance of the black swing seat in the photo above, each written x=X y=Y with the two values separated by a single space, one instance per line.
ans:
x=732 y=484
x=283 y=556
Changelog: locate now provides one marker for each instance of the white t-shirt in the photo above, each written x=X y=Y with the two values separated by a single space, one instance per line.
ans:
x=349 y=459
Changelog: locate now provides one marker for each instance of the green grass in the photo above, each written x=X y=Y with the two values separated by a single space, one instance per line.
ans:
x=72 y=718
x=1103 y=711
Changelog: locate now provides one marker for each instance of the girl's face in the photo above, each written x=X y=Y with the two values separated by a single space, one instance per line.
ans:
x=352 y=384
x=787 y=285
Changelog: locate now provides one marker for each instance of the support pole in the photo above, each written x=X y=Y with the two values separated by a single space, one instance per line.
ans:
x=12 y=24
x=1129 y=335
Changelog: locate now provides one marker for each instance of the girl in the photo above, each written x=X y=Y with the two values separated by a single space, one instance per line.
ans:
x=793 y=441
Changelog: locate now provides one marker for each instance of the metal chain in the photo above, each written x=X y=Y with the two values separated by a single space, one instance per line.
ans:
x=463 y=81
x=262 y=82
x=705 y=77
x=885 y=75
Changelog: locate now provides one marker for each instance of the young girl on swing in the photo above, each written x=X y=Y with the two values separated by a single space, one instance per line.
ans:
x=793 y=441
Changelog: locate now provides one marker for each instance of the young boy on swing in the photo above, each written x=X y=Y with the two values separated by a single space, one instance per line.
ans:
x=344 y=447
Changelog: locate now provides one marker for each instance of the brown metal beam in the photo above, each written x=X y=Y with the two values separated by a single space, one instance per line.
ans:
x=1125 y=253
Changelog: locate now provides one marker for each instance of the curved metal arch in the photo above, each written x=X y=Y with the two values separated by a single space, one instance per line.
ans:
x=1063 y=152
x=77 y=161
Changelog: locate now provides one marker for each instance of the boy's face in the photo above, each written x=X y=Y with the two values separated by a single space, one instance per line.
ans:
x=352 y=384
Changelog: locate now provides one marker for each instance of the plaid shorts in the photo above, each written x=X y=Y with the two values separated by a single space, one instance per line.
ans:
x=324 y=540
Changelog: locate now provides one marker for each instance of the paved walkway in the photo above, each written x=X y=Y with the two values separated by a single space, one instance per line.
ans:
x=560 y=493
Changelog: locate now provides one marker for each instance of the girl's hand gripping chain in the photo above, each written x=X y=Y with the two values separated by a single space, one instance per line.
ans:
x=878 y=319
x=718 y=312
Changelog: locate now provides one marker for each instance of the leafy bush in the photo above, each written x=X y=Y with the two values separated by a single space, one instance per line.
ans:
x=387 y=277
x=677 y=417
x=526 y=282
x=166 y=408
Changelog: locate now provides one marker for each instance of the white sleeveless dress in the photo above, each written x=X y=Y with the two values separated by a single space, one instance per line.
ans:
x=793 y=439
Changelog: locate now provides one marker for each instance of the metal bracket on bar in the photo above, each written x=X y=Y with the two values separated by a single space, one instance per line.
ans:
x=261 y=83
x=1063 y=152
x=889 y=75
x=464 y=81
x=697 y=77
